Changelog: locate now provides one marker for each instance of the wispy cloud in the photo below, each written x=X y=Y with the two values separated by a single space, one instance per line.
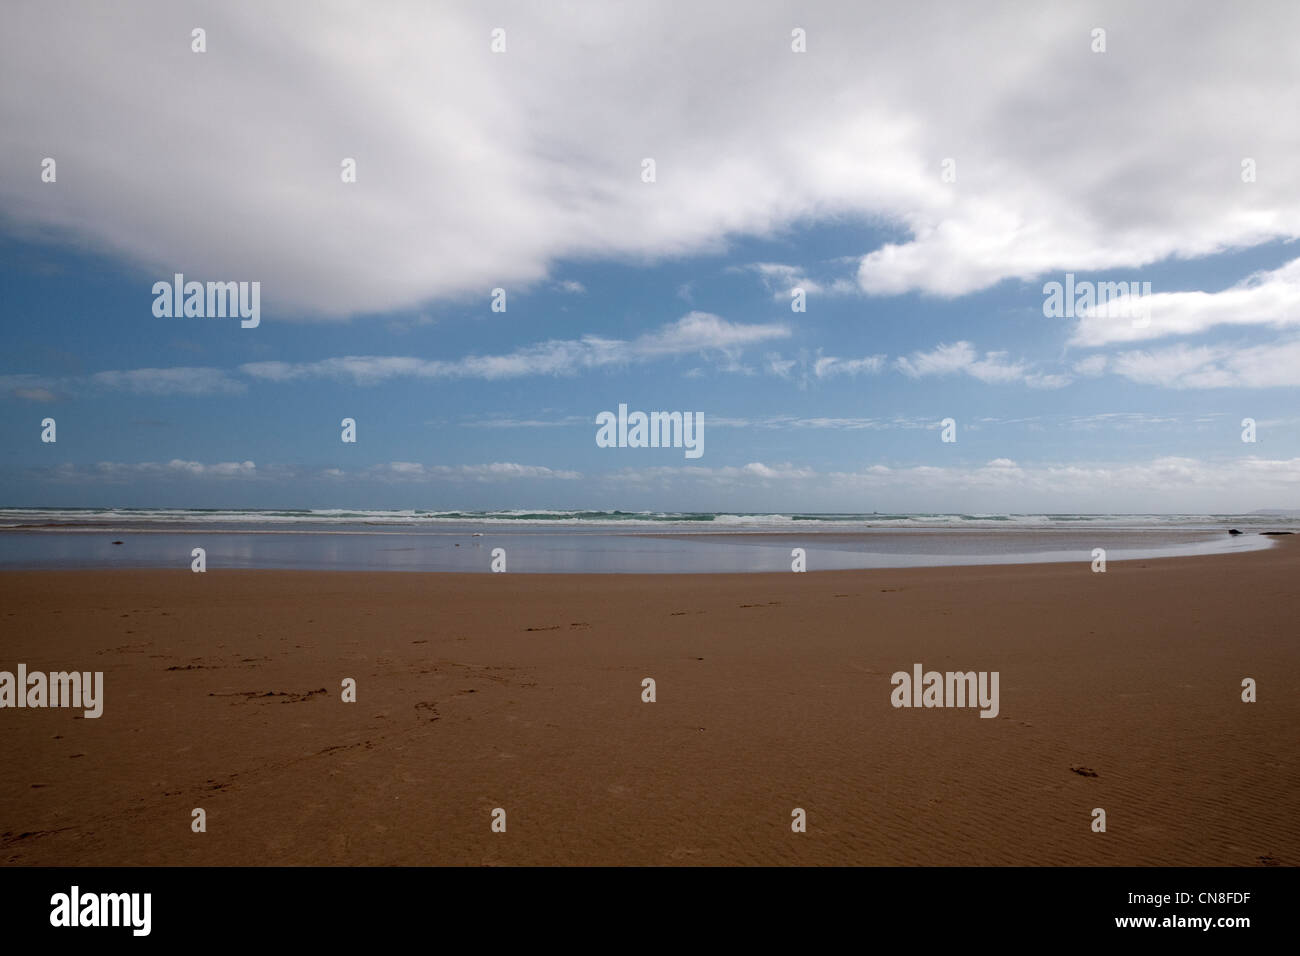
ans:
x=176 y=468
x=510 y=422
x=806 y=368
x=830 y=366
x=405 y=471
x=171 y=381
x=991 y=368
x=29 y=388
x=666 y=475
x=1004 y=484
x=693 y=333
x=1213 y=366
x=389 y=472
x=781 y=280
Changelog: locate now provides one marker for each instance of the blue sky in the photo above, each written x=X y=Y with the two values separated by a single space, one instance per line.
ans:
x=522 y=171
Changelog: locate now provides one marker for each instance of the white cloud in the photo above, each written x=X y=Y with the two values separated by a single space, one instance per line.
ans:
x=34 y=394
x=804 y=367
x=1213 y=366
x=781 y=280
x=171 y=381
x=496 y=471
x=390 y=472
x=1091 y=366
x=781 y=472
x=1155 y=485
x=755 y=472
x=1264 y=298
x=478 y=170
x=696 y=332
x=829 y=366
x=1125 y=421
x=509 y=422
x=780 y=366
x=992 y=368
x=1045 y=380
x=31 y=388
x=117 y=472
x=724 y=421
x=1158 y=485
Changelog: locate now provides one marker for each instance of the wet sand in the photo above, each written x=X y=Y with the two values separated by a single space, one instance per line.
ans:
x=524 y=692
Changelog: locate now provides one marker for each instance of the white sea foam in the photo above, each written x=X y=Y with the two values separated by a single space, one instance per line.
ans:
x=327 y=519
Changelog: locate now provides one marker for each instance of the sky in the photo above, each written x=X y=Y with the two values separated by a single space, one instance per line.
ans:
x=920 y=172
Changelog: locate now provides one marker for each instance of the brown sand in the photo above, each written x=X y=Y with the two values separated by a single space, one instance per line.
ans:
x=524 y=692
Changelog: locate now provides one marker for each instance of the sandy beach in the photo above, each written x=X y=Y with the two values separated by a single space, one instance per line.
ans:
x=222 y=691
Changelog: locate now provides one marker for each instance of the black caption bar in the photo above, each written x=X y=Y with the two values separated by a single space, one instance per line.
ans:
x=329 y=906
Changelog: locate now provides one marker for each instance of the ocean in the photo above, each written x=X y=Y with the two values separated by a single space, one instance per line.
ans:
x=600 y=541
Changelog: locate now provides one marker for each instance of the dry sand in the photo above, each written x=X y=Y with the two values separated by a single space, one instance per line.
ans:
x=222 y=691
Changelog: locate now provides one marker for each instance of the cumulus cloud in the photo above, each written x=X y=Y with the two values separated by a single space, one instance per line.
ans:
x=1269 y=298
x=477 y=170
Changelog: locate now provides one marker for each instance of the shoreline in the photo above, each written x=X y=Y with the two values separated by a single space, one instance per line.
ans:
x=624 y=552
x=523 y=691
x=659 y=575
